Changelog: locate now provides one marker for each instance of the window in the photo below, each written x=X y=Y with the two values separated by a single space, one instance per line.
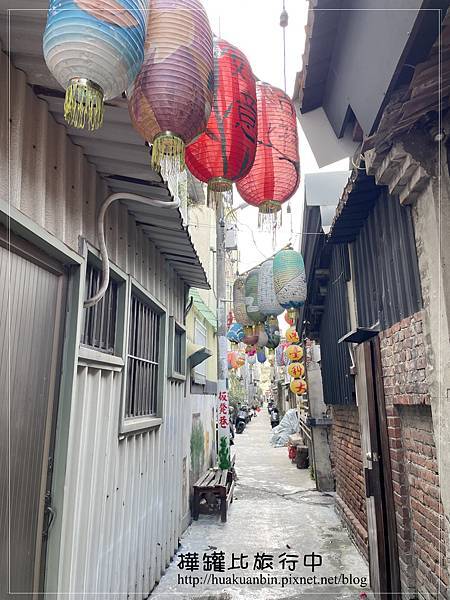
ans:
x=144 y=357
x=177 y=350
x=99 y=325
x=201 y=339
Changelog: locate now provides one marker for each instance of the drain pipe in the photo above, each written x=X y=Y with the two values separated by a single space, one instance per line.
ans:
x=101 y=235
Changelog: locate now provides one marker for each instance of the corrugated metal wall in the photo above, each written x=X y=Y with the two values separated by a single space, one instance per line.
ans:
x=123 y=499
x=338 y=384
x=387 y=277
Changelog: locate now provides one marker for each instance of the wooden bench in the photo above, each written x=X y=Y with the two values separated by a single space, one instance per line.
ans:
x=216 y=488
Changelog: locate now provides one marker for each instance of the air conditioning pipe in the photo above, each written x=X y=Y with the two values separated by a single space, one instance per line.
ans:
x=101 y=235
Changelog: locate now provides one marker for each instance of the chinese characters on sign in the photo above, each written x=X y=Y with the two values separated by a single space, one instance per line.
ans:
x=261 y=561
x=224 y=420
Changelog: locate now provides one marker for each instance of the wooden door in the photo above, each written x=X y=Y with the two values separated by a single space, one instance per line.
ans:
x=383 y=551
x=32 y=299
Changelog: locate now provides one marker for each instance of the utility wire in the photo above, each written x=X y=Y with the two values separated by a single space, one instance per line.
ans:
x=283 y=23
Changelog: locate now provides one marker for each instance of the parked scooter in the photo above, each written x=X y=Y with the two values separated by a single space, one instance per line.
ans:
x=241 y=420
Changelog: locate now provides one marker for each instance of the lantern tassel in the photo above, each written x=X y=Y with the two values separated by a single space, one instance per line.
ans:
x=83 y=105
x=269 y=220
x=220 y=188
x=168 y=155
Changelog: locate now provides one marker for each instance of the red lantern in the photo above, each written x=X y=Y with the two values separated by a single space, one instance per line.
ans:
x=275 y=175
x=226 y=151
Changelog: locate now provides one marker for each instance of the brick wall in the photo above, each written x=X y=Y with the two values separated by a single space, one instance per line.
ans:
x=420 y=524
x=348 y=473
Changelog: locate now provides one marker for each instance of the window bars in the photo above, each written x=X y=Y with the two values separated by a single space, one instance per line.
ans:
x=143 y=359
x=99 y=326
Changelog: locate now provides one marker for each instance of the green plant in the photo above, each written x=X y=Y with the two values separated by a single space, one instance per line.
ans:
x=224 y=454
x=236 y=391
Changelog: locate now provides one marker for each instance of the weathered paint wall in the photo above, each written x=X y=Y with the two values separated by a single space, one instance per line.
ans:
x=199 y=417
x=119 y=512
x=436 y=326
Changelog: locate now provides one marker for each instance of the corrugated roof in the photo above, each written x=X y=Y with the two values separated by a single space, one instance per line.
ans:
x=117 y=151
x=203 y=308
x=355 y=204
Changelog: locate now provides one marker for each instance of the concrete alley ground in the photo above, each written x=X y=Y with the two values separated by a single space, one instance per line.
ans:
x=276 y=511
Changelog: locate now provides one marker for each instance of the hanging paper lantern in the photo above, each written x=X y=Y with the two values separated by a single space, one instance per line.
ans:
x=240 y=361
x=279 y=356
x=263 y=338
x=289 y=318
x=230 y=359
x=296 y=370
x=298 y=386
x=239 y=306
x=275 y=175
x=94 y=49
x=294 y=353
x=251 y=296
x=170 y=101
x=292 y=336
x=250 y=336
x=251 y=359
x=289 y=280
x=225 y=152
x=235 y=333
x=273 y=334
x=250 y=350
x=267 y=299
x=261 y=355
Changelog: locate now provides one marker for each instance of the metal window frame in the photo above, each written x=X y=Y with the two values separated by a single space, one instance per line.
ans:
x=92 y=257
x=171 y=372
x=135 y=425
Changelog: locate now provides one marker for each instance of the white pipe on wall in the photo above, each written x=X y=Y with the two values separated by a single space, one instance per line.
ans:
x=101 y=235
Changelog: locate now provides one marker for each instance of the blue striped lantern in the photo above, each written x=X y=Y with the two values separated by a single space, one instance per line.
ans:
x=94 y=49
x=289 y=279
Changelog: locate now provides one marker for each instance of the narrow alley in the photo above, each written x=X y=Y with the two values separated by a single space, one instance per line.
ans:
x=224 y=224
x=276 y=510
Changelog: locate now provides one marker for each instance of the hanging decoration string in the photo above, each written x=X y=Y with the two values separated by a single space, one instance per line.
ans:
x=284 y=21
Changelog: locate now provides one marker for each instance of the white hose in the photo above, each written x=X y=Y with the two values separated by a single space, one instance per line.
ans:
x=101 y=235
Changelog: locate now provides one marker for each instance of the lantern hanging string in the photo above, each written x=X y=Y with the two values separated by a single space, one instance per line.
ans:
x=284 y=19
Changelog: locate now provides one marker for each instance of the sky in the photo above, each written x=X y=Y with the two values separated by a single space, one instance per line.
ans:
x=254 y=27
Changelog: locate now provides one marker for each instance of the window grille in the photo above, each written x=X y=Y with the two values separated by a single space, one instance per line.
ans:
x=143 y=362
x=99 y=326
